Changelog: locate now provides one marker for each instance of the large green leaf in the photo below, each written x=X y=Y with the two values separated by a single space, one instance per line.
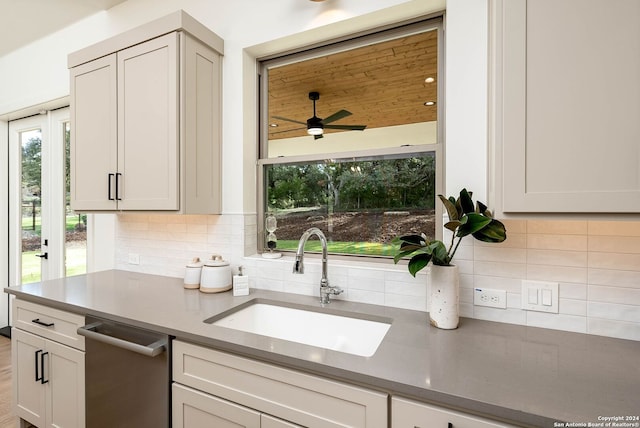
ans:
x=439 y=253
x=452 y=225
x=471 y=223
x=452 y=212
x=493 y=232
x=466 y=203
x=418 y=262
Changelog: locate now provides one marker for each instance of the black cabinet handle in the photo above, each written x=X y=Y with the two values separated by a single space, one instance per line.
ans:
x=46 y=324
x=42 y=380
x=118 y=175
x=109 y=180
x=38 y=377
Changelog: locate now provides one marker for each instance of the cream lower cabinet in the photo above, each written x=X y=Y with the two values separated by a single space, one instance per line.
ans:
x=195 y=409
x=48 y=376
x=269 y=396
x=412 y=414
x=145 y=121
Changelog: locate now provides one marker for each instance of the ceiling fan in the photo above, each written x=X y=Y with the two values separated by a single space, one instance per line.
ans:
x=316 y=125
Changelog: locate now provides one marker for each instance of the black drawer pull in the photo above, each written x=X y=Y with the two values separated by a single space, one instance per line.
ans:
x=46 y=324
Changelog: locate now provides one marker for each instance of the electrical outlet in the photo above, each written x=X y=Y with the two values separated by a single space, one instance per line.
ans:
x=490 y=297
x=134 y=259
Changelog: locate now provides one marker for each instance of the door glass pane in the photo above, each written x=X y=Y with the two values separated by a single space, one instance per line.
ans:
x=75 y=223
x=31 y=144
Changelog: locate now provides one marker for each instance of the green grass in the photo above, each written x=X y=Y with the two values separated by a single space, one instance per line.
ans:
x=360 y=248
x=27 y=223
x=75 y=263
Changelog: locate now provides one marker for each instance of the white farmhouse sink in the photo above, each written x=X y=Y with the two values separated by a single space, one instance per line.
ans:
x=344 y=333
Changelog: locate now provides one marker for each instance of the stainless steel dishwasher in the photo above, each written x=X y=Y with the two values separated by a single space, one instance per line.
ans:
x=127 y=373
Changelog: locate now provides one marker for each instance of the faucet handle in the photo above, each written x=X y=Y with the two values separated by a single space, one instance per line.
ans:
x=336 y=290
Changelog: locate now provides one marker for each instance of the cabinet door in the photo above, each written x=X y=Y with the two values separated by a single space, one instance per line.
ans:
x=148 y=140
x=94 y=135
x=411 y=414
x=28 y=392
x=567 y=105
x=194 y=409
x=65 y=389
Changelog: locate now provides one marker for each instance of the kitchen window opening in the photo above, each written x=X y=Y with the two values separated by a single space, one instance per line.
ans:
x=351 y=142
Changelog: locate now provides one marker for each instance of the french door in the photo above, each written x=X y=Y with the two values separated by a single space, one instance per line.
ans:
x=39 y=217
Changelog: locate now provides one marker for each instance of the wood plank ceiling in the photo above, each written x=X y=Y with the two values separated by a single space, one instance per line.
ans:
x=382 y=84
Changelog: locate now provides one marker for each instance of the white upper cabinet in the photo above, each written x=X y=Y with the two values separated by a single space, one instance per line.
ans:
x=145 y=120
x=567 y=105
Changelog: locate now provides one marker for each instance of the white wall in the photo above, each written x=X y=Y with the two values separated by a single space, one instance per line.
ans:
x=598 y=288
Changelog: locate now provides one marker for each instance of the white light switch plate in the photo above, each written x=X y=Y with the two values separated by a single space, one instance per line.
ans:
x=540 y=296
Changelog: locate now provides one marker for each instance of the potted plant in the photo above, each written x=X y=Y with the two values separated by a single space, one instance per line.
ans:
x=465 y=218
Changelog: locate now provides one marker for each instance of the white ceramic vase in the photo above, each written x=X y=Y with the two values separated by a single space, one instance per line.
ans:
x=445 y=285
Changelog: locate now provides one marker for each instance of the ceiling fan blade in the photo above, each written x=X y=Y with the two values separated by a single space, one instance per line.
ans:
x=315 y=137
x=286 y=130
x=347 y=127
x=288 y=120
x=336 y=116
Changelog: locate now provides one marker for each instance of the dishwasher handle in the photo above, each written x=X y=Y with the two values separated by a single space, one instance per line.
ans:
x=154 y=349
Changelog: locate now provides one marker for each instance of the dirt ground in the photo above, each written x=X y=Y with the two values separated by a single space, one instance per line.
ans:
x=369 y=226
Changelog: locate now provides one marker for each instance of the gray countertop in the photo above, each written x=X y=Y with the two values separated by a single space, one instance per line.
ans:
x=524 y=375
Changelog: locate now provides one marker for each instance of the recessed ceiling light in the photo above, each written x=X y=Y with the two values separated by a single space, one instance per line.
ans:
x=430 y=103
x=273 y=125
x=429 y=80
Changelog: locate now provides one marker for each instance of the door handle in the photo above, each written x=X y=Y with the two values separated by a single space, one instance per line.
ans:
x=109 y=179
x=38 y=376
x=42 y=379
x=118 y=175
x=43 y=256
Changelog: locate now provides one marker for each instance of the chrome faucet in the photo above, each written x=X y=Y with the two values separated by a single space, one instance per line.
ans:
x=325 y=289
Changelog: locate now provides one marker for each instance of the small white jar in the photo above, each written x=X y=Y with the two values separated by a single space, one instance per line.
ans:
x=192 y=274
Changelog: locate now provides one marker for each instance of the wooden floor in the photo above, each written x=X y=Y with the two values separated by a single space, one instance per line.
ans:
x=7 y=419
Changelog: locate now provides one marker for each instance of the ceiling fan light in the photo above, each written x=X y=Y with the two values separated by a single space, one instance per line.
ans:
x=315 y=131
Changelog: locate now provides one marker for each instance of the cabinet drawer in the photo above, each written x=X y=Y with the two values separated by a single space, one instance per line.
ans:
x=53 y=324
x=412 y=414
x=287 y=394
x=193 y=408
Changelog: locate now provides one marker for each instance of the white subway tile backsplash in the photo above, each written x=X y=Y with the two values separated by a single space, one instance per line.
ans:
x=510 y=285
x=569 y=290
x=617 y=261
x=596 y=263
x=553 y=227
x=557 y=242
x=611 y=328
x=572 y=307
x=614 y=228
x=618 y=278
x=614 y=311
x=510 y=316
x=557 y=258
x=615 y=244
x=556 y=273
x=497 y=254
x=573 y=323
x=507 y=270
x=629 y=296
